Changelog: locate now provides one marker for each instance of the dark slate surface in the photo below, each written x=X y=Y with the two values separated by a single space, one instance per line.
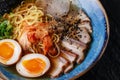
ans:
x=108 y=68
x=6 y=5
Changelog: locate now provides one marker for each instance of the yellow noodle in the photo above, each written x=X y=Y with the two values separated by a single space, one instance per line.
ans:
x=28 y=13
x=55 y=38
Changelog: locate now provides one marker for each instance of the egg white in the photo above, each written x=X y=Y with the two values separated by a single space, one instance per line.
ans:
x=23 y=71
x=16 y=53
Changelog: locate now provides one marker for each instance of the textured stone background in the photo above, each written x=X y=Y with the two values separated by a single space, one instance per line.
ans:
x=108 y=68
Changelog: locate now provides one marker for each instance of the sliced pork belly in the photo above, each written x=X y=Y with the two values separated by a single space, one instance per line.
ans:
x=84 y=21
x=86 y=25
x=77 y=15
x=83 y=35
x=69 y=68
x=83 y=16
x=76 y=47
x=71 y=57
x=58 y=65
x=80 y=34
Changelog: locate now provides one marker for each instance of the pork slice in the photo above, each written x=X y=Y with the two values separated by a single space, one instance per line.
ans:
x=86 y=25
x=84 y=21
x=84 y=35
x=58 y=65
x=83 y=16
x=77 y=15
x=76 y=47
x=69 y=68
x=71 y=57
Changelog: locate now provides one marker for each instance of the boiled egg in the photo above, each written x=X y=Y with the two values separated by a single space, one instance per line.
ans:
x=33 y=65
x=10 y=51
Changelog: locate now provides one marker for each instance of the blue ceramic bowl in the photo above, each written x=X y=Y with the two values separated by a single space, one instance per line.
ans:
x=100 y=37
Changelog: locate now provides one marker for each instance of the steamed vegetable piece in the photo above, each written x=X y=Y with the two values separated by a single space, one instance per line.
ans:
x=56 y=8
x=5 y=29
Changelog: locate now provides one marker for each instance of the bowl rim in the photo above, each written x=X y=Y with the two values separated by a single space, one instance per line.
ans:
x=105 y=42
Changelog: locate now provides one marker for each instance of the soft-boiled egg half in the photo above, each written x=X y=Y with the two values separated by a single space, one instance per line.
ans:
x=33 y=65
x=10 y=51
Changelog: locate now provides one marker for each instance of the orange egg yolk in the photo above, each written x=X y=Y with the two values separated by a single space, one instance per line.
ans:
x=36 y=65
x=6 y=50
